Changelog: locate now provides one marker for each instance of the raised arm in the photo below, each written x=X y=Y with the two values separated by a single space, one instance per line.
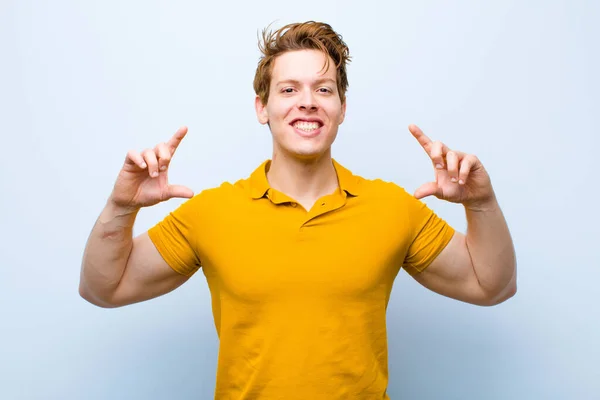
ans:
x=479 y=267
x=117 y=269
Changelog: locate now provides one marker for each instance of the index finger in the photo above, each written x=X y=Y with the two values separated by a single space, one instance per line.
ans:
x=174 y=142
x=433 y=149
x=423 y=139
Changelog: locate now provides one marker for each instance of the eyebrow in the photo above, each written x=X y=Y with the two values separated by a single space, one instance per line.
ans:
x=297 y=82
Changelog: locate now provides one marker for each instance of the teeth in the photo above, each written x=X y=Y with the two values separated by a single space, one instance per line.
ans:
x=306 y=126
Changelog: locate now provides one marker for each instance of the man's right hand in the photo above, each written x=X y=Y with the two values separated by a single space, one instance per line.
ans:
x=143 y=180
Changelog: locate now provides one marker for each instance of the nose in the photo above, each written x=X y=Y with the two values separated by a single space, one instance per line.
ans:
x=307 y=102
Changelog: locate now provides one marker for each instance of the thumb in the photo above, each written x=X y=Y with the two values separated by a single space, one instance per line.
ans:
x=428 y=189
x=180 y=191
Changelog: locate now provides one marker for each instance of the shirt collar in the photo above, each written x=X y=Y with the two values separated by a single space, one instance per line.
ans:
x=259 y=185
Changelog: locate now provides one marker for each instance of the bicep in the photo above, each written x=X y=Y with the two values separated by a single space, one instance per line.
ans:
x=147 y=275
x=451 y=273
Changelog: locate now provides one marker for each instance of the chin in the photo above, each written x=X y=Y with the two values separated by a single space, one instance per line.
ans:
x=307 y=154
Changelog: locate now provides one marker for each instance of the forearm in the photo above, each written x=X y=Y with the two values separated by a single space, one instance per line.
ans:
x=491 y=249
x=106 y=253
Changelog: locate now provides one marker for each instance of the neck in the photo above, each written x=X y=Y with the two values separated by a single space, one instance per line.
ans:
x=303 y=180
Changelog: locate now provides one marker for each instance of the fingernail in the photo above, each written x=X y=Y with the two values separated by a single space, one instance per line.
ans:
x=453 y=179
x=163 y=168
x=143 y=165
x=439 y=166
x=155 y=174
x=461 y=182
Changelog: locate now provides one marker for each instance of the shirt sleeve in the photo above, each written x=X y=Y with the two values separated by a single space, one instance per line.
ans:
x=429 y=236
x=175 y=237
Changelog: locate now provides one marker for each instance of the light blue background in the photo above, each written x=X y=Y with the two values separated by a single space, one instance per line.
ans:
x=83 y=82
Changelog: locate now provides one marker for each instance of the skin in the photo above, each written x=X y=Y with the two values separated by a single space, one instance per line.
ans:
x=301 y=90
x=117 y=269
x=478 y=268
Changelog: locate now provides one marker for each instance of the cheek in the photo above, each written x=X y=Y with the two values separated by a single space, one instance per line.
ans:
x=279 y=112
x=337 y=114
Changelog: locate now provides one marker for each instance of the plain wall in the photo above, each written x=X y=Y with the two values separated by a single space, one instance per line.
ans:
x=515 y=83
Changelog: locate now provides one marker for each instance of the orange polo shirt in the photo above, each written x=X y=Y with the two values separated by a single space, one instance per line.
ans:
x=299 y=297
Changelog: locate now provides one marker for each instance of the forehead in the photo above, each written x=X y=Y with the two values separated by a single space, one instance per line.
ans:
x=302 y=65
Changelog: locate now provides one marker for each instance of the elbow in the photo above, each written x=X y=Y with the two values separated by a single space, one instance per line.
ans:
x=495 y=297
x=512 y=290
x=98 y=301
x=508 y=292
x=505 y=295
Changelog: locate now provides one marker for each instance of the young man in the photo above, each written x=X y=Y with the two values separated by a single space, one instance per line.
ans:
x=300 y=257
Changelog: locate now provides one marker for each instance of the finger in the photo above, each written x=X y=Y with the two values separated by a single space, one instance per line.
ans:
x=428 y=189
x=466 y=166
x=164 y=156
x=174 y=142
x=452 y=161
x=133 y=157
x=150 y=159
x=180 y=191
x=418 y=134
x=436 y=150
x=438 y=153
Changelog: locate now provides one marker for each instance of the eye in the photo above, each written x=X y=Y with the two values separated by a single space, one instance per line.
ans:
x=287 y=90
x=325 y=90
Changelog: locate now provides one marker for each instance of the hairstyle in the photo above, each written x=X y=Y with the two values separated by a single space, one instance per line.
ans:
x=309 y=35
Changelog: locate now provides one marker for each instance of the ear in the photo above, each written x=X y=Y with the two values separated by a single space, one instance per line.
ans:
x=261 y=111
x=343 y=116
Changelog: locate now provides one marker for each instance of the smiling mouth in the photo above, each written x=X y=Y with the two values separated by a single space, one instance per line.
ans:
x=307 y=126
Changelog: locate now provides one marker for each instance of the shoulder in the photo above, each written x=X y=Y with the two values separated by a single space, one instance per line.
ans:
x=225 y=193
x=383 y=190
x=391 y=200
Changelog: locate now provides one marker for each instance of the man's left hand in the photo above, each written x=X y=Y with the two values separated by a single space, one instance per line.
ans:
x=459 y=177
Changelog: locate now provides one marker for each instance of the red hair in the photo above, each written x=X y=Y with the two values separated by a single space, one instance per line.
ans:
x=309 y=35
